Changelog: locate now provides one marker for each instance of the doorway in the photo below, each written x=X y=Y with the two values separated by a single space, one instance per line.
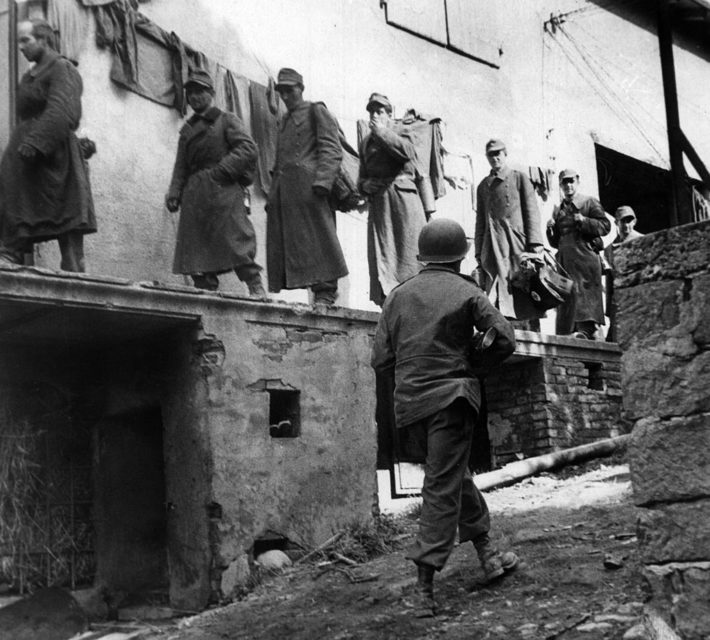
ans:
x=131 y=522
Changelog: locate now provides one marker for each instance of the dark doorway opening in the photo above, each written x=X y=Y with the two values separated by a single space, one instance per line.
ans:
x=624 y=180
x=131 y=522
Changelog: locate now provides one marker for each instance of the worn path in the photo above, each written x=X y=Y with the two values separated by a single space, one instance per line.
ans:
x=575 y=532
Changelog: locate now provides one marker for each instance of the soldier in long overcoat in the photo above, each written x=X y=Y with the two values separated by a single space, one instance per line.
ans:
x=302 y=245
x=507 y=225
x=396 y=214
x=575 y=230
x=215 y=162
x=44 y=183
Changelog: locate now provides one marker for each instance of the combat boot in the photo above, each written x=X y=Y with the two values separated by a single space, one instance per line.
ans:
x=256 y=288
x=421 y=598
x=494 y=563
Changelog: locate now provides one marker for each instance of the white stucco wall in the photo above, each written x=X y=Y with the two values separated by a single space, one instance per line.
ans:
x=544 y=101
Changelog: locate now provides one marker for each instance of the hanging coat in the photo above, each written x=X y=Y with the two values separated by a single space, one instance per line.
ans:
x=396 y=214
x=302 y=245
x=507 y=225
x=43 y=199
x=216 y=160
x=578 y=256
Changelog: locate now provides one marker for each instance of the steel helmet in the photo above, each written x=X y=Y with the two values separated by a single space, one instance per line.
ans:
x=442 y=240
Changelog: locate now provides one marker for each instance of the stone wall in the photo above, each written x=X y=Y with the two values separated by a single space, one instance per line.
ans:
x=663 y=296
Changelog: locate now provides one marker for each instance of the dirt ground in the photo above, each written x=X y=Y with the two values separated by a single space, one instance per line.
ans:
x=574 y=531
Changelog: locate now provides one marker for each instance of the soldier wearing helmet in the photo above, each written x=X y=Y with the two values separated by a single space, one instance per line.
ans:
x=424 y=340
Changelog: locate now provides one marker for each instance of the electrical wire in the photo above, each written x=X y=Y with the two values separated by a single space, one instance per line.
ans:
x=601 y=87
x=614 y=93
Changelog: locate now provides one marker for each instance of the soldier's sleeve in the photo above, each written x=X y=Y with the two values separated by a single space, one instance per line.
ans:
x=595 y=223
x=240 y=160
x=530 y=211
x=330 y=153
x=486 y=316
x=383 y=358
x=179 y=177
x=552 y=235
x=480 y=223
x=62 y=112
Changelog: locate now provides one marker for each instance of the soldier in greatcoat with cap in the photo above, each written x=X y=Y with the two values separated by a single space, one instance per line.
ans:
x=396 y=215
x=425 y=340
x=215 y=162
x=507 y=226
x=302 y=245
x=575 y=230
x=45 y=192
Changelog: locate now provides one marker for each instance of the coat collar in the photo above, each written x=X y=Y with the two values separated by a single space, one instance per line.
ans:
x=502 y=174
x=577 y=200
x=48 y=59
x=210 y=115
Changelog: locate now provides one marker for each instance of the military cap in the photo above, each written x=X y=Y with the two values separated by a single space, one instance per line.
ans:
x=381 y=100
x=568 y=173
x=495 y=145
x=288 y=77
x=624 y=212
x=200 y=77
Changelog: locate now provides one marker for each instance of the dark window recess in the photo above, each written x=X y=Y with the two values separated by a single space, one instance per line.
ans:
x=269 y=542
x=595 y=376
x=284 y=413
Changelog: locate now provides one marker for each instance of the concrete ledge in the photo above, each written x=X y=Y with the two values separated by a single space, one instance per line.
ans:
x=70 y=291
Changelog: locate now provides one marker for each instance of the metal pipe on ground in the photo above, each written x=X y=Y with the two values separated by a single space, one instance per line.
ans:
x=516 y=471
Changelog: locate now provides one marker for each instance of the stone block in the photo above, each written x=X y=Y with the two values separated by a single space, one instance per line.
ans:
x=668 y=459
x=665 y=255
x=680 y=592
x=235 y=575
x=675 y=532
x=656 y=383
x=647 y=309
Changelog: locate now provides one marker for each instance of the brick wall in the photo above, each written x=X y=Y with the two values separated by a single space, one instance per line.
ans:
x=567 y=394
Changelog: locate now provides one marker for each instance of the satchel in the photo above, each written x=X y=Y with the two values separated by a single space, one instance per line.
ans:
x=550 y=285
x=344 y=195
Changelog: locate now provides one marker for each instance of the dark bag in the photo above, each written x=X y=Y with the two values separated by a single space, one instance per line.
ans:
x=344 y=196
x=550 y=285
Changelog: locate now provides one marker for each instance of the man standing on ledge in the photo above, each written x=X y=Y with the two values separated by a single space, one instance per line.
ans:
x=302 y=246
x=388 y=179
x=425 y=338
x=44 y=182
x=215 y=162
x=575 y=230
x=507 y=226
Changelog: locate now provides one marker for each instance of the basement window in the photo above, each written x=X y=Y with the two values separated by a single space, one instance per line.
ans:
x=595 y=376
x=284 y=413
